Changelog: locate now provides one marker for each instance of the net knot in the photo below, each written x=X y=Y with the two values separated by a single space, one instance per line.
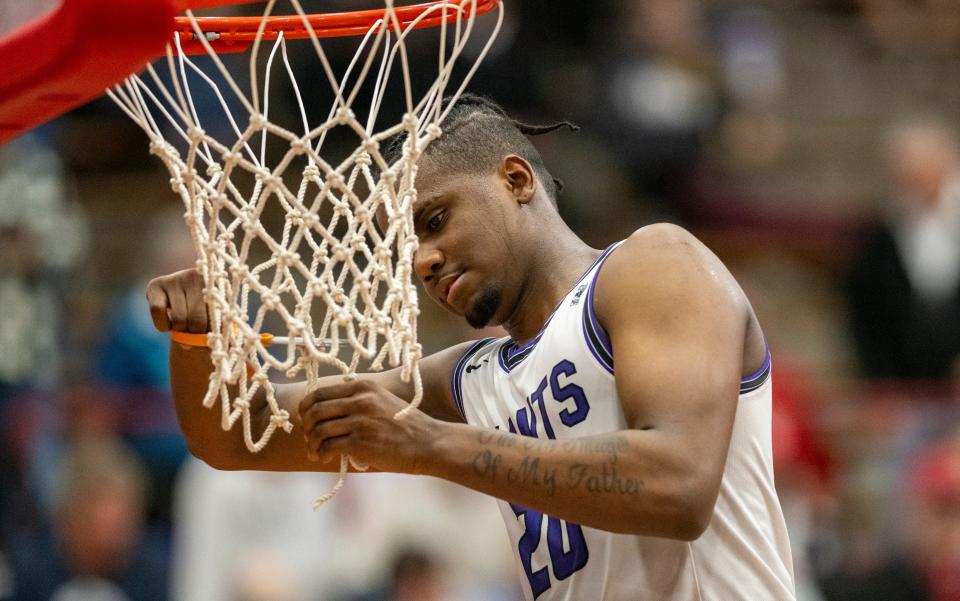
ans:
x=299 y=146
x=279 y=419
x=273 y=183
x=287 y=257
x=344 y=116
x=363 y=160
x=229 y=157
x=196 y=133
x=334 y=179
x=176 y=182
x=213 y=169
x=434 y=131
x=258 y=121
x=270 y=300
x=410 y=122
x=158 y=147
x=239 y=270
x=311 y=172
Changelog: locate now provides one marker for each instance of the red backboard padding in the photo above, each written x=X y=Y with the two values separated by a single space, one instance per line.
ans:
x=71 y=55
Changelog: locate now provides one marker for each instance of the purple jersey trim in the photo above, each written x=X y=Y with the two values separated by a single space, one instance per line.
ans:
x=456 y=385
x=757 y=379
x=596 y=337
x=511 y=354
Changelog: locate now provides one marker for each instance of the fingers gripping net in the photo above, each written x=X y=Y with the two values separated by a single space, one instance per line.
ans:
x=342 y=289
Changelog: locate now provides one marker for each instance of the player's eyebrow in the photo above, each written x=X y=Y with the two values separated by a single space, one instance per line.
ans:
x=422 y=208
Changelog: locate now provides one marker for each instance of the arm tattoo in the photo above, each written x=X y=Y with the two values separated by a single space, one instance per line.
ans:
x=595 y=478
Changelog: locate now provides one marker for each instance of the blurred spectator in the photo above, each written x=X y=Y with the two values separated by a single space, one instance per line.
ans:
x=804 y=470
x=934 y=482
x=133 y=353
x=238 y=534
x=927 y=567
x=658 y=91
x=253 y=536
x=133 y=361
x=911 y=26
x=96 y=550
x=42 y=238
x=415 y=576
x=904 y=286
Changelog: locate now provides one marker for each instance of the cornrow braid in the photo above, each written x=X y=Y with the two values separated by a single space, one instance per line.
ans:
x=478 y=133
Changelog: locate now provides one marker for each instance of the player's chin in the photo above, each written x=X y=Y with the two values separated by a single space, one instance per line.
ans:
x=483 y=308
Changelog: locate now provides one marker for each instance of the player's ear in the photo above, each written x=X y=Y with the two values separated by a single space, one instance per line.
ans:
x=518 y=176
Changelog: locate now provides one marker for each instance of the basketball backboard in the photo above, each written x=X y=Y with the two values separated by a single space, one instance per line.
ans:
x=67 y=53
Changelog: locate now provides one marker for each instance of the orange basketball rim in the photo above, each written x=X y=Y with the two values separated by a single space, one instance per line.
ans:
x=70 y=55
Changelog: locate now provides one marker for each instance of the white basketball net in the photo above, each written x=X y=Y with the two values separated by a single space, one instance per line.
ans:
x=359 y=279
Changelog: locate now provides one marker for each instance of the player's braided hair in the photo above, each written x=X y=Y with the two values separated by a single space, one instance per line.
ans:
x=478 y=133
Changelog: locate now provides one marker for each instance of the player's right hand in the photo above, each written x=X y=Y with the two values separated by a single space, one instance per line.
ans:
x=176 y=302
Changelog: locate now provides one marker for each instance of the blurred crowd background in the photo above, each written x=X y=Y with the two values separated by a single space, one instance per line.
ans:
x=811 y=144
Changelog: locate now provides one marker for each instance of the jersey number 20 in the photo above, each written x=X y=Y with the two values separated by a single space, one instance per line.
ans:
x=564 y=562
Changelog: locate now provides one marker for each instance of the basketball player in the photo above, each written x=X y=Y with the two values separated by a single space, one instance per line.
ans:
x=624 y=423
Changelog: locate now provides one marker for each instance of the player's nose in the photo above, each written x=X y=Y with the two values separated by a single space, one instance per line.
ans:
x=427 y=262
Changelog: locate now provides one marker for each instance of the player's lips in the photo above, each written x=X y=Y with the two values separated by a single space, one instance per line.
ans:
x=448 y=287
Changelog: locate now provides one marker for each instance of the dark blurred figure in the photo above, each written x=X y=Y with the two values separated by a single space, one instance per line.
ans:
x=935 y=528
x=416 y=576
x=133 y=370
x=909 y=27
x=42 y=238
x=96 y=551
x=657 y=92
x=928 y=569
x=904 y=286
x=805 y=470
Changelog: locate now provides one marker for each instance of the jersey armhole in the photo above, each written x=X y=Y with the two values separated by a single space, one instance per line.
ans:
x=596 y=337
x=456 y=383
x=758 y=378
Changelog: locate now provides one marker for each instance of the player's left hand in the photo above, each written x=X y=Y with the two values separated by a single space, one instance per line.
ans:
x=357 y=419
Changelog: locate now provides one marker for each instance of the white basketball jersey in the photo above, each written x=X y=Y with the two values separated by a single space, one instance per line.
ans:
x=561 y=385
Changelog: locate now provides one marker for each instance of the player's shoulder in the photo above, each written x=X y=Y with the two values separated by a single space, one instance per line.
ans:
x=660 y=239
x=660 y=250
x=660 y=264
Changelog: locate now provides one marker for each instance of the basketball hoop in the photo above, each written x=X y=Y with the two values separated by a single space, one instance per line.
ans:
x=335 y=281
x=236 y=34
x=337 y=284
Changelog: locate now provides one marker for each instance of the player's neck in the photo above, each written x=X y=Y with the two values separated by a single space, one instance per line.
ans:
x=559 y=261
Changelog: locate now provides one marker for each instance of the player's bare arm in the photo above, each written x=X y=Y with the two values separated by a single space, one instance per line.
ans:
x=176 y=303
x=678 y=323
